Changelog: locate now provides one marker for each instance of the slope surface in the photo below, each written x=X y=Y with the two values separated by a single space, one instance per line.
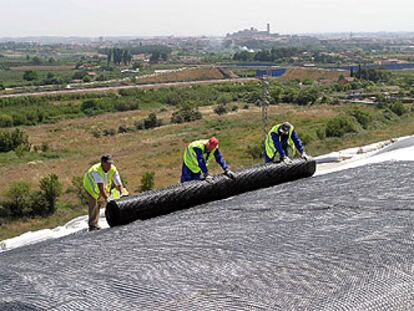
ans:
x=341 y=241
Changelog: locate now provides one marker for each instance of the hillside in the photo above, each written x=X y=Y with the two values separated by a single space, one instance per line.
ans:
x=313 y=74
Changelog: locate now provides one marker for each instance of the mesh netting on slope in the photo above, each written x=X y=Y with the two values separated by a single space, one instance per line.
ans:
x=159 y=202
x=341 y=241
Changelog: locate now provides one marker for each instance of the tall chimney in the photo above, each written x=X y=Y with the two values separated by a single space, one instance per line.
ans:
x=268 y=28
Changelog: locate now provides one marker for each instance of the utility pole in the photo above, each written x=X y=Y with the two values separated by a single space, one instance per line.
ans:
x=265 y=101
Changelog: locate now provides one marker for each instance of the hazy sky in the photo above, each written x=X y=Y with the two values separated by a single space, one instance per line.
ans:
x=192 y=17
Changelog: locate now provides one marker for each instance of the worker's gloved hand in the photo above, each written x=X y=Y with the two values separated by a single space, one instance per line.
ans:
x=124 y=193
x=208 y=178
x=286 y=160
x=229 y=174
x=305 y=156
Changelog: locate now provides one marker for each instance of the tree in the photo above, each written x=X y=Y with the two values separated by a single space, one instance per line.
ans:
x=126 y=57
x=155 y=57
x=51 y=189
x=373 y=74
x=36 y=60
x=30 y=75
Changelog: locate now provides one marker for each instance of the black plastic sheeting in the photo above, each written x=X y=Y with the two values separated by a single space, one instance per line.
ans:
x=160 y=202
x=341 y=241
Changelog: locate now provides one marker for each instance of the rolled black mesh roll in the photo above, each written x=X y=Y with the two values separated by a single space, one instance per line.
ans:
x=181 y=196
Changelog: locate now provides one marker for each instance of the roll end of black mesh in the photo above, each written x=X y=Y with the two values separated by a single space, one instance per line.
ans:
x=181 y=196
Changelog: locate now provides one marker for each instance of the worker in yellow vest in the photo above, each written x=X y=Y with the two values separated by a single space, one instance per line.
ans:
x=283 y=140
x=196 y=158
x=97 y=183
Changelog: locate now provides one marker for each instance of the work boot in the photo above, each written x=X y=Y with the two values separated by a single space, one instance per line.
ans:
x=93 y=228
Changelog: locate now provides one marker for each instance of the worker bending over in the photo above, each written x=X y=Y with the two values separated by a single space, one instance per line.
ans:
x=282 y=139
x=196 y=158
x=97 y=183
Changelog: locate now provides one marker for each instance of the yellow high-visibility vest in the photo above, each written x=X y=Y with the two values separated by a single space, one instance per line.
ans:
x=89 y=183
x=270 y=146
x=190 y=156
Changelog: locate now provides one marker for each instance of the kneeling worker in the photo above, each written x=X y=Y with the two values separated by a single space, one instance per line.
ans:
x=196 y=158
x=280 y=139
x=97 y=183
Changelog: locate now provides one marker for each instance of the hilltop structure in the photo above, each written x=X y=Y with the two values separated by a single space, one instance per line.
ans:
x=252 y=33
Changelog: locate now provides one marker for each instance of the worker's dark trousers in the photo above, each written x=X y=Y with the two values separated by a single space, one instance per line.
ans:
x=276 y=156
x=188 y=175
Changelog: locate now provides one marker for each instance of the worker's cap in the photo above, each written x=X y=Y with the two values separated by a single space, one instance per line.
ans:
x=107 y=158
x=284 y=128
x=212 y=143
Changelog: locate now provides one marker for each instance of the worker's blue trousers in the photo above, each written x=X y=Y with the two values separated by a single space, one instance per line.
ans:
x=188 y=175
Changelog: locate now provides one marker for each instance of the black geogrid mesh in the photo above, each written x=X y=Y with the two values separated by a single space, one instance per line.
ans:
x=182 y=196
x=342 y=241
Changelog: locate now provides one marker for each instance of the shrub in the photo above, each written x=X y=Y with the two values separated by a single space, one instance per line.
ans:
x=96 y=132
x=122 y=129
x=362 y=117
x=11 y=140
x=79 y=75
x=109 y=132
x=147 y=182
x=321 y=133
x=39 y=204
x=151 y=122
x=51 y=189
x=234 y=108
x=19 y=198
x=306 y=138
x=126 y=105
x=307 y=96
x=224 y=99
x=398 y=108
x=90 y=107
x=220 y=109
x=6 y=120
x=77 y=188
x=21 y=150
x=246 y=106
x=186 y=114
x=30 y=75
x=101 y=77
x=4 y=212
x=44 y=147
x=340 y=125
x=255 y=151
